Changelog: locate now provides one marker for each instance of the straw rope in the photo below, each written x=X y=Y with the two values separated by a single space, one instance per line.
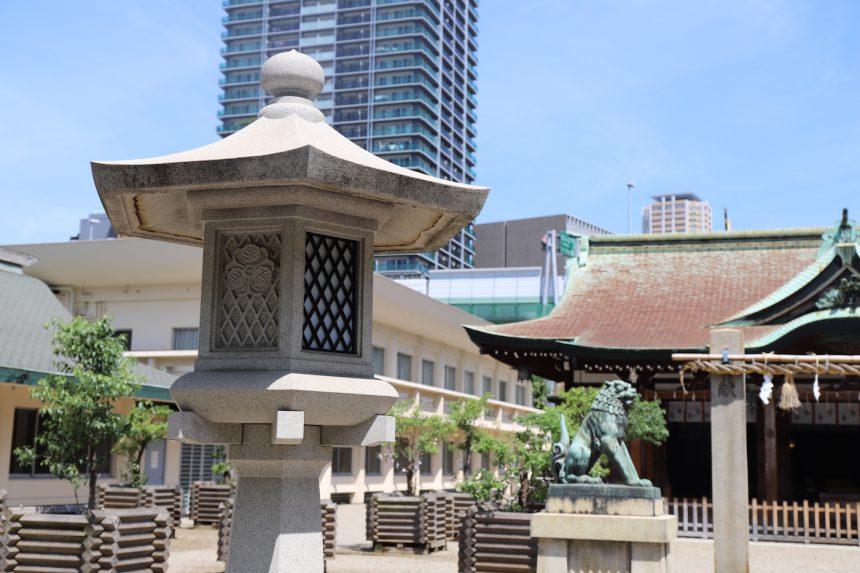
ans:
x=777 y=369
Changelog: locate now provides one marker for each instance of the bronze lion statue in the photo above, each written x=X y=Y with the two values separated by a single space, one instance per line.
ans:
x=602 y=432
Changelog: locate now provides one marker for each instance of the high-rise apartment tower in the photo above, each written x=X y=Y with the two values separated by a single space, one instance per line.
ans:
x=676 y=213
x=400 y=82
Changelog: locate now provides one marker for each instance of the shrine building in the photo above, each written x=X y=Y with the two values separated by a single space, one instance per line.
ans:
x=632 y=302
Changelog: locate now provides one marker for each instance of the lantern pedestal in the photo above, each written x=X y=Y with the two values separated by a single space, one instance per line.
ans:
x=276 y=516
x=589 y=527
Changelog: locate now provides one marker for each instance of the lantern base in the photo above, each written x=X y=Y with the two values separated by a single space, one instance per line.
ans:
x=276 y=517
x=256 y=396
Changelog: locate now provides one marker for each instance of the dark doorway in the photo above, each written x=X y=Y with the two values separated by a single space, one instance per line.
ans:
x=824 y=463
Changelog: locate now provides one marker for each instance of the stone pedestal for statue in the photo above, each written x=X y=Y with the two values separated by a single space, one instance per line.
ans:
x=289 y=214
x=590 y=528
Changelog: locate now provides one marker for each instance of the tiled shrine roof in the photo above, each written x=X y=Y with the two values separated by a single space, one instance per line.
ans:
x=664 y=292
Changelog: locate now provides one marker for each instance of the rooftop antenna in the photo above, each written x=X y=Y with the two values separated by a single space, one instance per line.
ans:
x=727 y=223
x=630 y=186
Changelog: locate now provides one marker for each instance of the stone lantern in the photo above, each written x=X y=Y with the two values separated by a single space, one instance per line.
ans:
x=289 y=214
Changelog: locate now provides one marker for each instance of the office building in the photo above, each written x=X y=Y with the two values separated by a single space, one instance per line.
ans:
x=400 y=82
x=520 y=242
x=676 y=213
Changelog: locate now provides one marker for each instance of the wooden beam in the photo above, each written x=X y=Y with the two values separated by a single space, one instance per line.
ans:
x=771 y=470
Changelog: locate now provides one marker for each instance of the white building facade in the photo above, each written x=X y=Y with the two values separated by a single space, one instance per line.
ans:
x=152 y=292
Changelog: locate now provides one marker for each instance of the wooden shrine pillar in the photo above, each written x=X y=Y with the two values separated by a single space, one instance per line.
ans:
x=730 y=491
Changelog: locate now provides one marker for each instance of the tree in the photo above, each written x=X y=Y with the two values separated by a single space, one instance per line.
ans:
x=540 y=391
x=417 y=434
x=147 y=423
x=78 y=405
x=464 y=416
x=528 y=463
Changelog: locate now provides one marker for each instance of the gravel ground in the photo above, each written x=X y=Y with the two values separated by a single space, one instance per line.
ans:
x=193 y=551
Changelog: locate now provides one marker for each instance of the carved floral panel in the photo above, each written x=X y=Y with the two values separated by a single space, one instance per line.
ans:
x=248 y=310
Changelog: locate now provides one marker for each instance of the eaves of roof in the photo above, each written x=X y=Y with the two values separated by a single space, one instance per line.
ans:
x=31 y=378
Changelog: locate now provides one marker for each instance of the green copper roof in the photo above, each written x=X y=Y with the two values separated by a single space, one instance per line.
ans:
x=805 y=320
x=25 y=344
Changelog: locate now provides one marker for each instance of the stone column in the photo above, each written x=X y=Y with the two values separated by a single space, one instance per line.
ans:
x=730 y=492
x=276 y=519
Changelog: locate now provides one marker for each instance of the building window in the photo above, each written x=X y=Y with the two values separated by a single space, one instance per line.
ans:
x=503 y=391
x=341 y=461
x=488 y=385
x=450 y=378
x=185 y=338
x=427 y=372
x=469 y=382
x=521 y=395
x=426 y=464
x=485 y=461
x=195 y=464
x=26 y=426
x=373 y=460
x=378 y=360
x=447 y=459
x=127 y=337
x=404 y=367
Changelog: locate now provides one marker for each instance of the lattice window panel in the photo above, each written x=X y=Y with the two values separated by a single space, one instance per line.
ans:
x=248 y=304
x=330 y=294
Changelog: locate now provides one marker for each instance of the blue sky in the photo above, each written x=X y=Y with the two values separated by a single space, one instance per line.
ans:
x=753 y=104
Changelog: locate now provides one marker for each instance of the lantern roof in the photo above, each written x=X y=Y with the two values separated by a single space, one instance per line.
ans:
x=288 y=157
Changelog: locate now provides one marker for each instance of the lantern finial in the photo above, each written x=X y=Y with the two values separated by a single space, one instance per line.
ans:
x=295 y=79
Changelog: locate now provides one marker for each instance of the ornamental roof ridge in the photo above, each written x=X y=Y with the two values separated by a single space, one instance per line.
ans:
x=839 y=241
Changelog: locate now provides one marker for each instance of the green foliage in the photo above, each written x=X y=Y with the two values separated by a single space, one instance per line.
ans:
x=528 y=462
x=78 y=405
x=484 y=486
x=647 y=422
x=147 y=423
x=469 y=437
x=540 y=391
x=221 y=468
x=418 y=433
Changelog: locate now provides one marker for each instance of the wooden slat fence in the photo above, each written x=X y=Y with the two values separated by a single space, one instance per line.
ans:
x=101 y=540
x=456 y=506
x=206 y=500
x=2 y=530
x=170 y=498
x=497 y=541
x=407 y=521
x=328 y=512
x=132 y=539
x=799 y=522
x=119 y=497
